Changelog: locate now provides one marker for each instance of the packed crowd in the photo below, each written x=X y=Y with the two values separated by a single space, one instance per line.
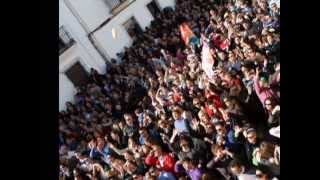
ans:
x=156 y=114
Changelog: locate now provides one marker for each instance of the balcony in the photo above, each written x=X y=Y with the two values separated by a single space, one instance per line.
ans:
x=65 y=40
x=117 y=6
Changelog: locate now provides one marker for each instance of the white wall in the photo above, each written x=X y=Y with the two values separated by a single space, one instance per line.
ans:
x=166 y=3
x=92 y=12
x=139 y=10
x=66 y=60
x=82 y=51
x=104 y=37
x=66 y=91
x=72 y=25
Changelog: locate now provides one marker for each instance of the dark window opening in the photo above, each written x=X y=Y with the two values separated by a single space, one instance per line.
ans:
x=77 y=75
x=153 y=8
x=132 y=27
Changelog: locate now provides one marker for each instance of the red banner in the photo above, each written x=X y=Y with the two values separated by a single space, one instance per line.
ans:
x=186 y=33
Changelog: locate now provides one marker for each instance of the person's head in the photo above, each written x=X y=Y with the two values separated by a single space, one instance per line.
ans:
x=220 y=140
x=152 y=173
x=236 y=167
x=131 y=142
x=128 y=118
x=100 y=143
x=184 y=144
x=270 y=39
x=220 y=128
x=228 y=102
x=263 y=81
x=115 y=134
x=128 y=155
x=231 y=56
x=211 y=105
x=138 y=111
x=144 y=132
x=187 y=164
x=118 y=107
x=269 y=104
x=157 y=150
x=266 y=150
x=263 y=173
x=145 y=149
x=221 y=55
x=176 y=113
x=196 y=102
x=162 y=123
x=246 y=25
x=147 y=119
x=203 y=116
x=130 y=166
x=209 y=128
x=251 y=135
x=274 y=7
x=213 y=13
x=217 y=150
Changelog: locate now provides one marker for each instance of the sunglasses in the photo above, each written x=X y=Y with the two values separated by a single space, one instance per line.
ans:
x=259 y=175
x=268 y=104
x=250 y=137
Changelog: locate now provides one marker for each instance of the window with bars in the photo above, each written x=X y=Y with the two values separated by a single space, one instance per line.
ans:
x=65 y=40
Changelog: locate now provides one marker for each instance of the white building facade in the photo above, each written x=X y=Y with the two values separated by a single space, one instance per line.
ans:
x=87 y=34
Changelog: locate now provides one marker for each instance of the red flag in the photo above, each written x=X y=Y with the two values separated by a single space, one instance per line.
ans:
x=186 y=33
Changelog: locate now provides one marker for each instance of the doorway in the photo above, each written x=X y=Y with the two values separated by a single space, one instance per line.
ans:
x=77 y=75
x=132 y=27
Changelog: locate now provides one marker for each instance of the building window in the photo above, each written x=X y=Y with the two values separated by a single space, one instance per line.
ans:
x=112 y=4
x=153 y=8
x=77 y=75
x=132 y=27
x=65 y=40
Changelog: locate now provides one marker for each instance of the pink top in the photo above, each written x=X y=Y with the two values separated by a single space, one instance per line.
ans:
x=264 y=93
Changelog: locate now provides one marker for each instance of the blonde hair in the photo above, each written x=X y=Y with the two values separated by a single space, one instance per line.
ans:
x=266 y=150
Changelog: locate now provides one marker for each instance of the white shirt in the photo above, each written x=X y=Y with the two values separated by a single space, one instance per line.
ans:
x=247 y=177
x=274 y=1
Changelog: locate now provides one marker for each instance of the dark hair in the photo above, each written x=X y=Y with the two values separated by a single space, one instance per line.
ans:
x=273 y=103
x=215 y=148
x=219 y=123
x=138 y=110
x=265 y=170
x=235 y=163
x=143 y=129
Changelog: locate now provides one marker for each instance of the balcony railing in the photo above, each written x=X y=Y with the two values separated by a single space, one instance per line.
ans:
x=65 y=40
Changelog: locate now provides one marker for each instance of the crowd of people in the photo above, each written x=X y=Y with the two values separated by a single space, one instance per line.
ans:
x=156 y=114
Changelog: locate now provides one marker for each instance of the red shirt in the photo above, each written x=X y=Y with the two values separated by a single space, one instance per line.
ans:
x=176 y=97
x=215 y=99
x=166 y=162
x=209 y=111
